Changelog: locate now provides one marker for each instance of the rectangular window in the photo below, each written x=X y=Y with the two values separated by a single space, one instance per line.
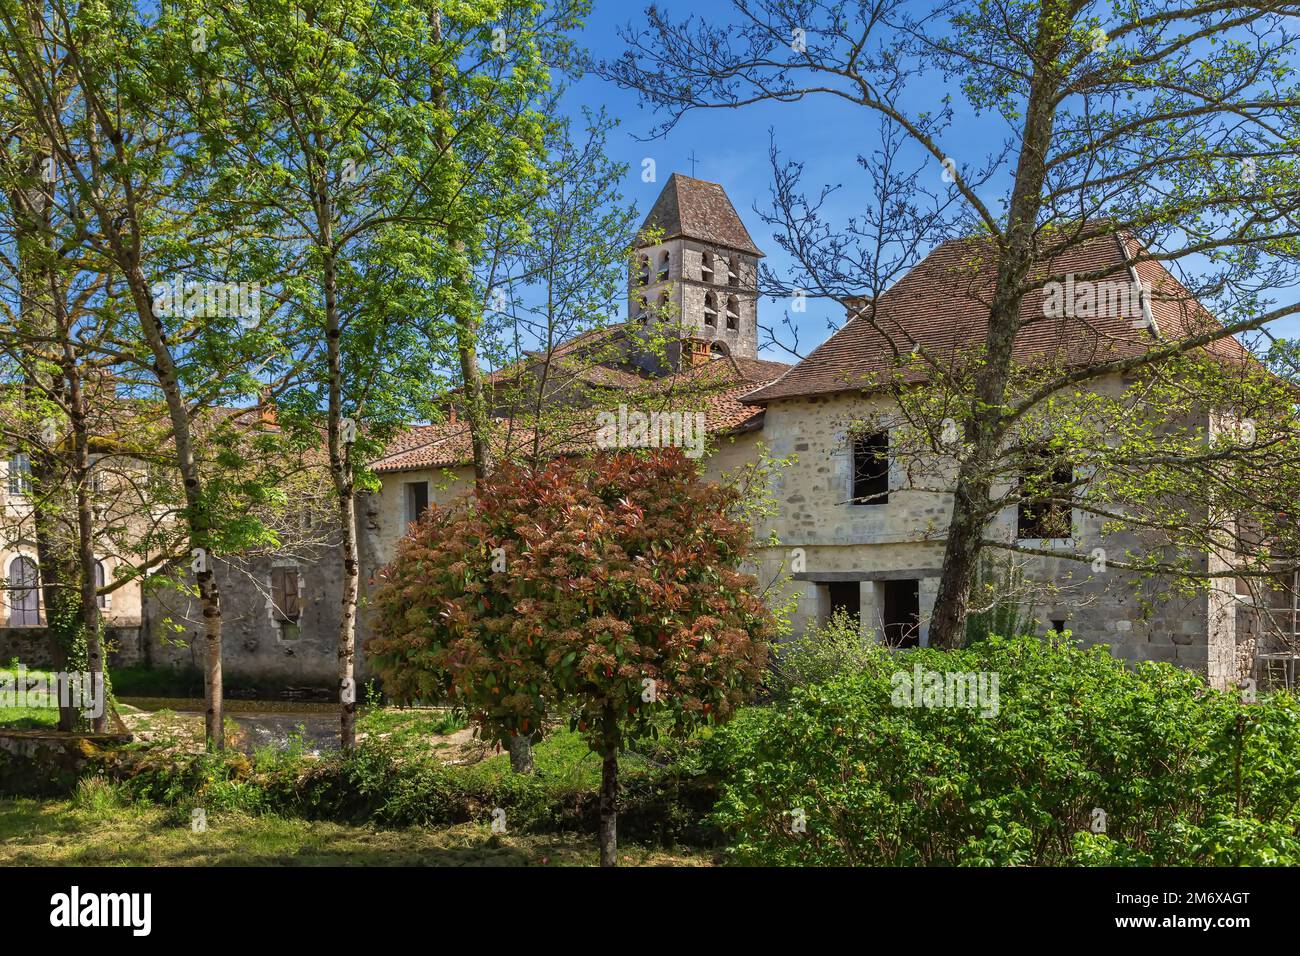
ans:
x=417 y=500
x=871 y=469
x=20 y=474
x=285 y=598
x=1044 y=511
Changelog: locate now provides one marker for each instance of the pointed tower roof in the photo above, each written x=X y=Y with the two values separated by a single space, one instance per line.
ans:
x=695 y=209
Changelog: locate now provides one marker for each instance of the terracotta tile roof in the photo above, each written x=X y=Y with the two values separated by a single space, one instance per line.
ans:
x=695 y=209
x=715 y=389
x=426 y=446
x=943 y=303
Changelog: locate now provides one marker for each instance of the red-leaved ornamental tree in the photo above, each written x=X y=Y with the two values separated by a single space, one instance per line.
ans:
x=600 y=590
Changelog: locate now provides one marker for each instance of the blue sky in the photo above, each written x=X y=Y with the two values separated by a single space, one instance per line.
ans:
x=731 y=148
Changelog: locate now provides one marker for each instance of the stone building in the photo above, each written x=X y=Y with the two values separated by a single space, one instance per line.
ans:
x=871 y=536
x=868 y=540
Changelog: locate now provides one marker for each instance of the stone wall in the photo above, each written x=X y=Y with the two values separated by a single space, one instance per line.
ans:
x=826 y=539
x=257 y=650
x=30 y=646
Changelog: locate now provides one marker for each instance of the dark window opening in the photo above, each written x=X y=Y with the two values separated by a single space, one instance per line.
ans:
x=664 y=264
x=417 y=500
x=871 y=469
x=900 y=612
x=286 y=603
x=710 y=309
x=733 y=313
x=1059 y=626
x=1042 y=513
x=846 y=597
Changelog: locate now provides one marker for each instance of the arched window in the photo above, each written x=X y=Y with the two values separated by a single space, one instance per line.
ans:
x=100 y=578
x=733 y=312
x=24 y=593
x=643 y=273
x=642 y=311
x=706 y=267
x=718 y=350
x=662 y=306
x=664 y=262
x=733 y=280
x=710 y=309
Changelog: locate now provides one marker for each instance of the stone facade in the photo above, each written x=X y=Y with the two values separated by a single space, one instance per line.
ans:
x=711 y=291
x=829 y=542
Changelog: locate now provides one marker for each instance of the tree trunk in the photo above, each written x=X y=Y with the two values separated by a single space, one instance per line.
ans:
x=33 y=216
x=985 y=430
x=521 y=755
x=960 y=558
x=90 y=617
x=196 y=518
x=344 y=486
x=609 y=807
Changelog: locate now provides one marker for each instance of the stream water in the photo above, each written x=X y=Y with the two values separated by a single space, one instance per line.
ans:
x=280 y=725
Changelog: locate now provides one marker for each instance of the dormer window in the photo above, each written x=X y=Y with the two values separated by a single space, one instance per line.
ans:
x=733 y=313
x=706 y=267
x=664 y=262
x=710 y=310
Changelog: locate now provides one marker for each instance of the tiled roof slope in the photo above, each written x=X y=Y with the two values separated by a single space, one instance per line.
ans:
x=695 y=209
x=943 y=304
x=722 y=383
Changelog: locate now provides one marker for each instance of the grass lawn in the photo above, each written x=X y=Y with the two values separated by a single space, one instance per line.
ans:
x=26 y=718
x=72 y=833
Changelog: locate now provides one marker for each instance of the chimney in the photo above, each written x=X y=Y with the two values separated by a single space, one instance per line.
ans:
x=698 y=353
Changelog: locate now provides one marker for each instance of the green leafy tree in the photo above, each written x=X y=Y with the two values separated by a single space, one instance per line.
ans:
x=602 y=591
x=148 y=214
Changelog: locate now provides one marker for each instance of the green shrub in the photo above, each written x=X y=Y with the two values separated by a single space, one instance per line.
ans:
x=391 y=783
x=827 y=649
x=1183 y=775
